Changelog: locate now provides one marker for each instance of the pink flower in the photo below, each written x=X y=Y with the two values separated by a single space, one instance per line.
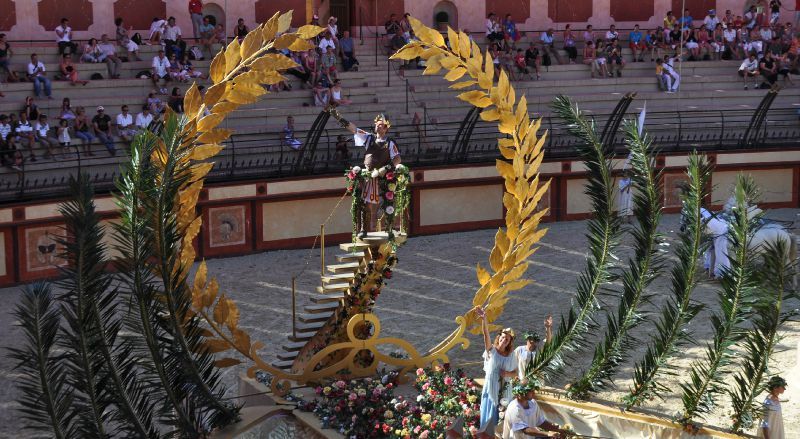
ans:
x=389 y=195
x=424 y=434
x=448 y=381
x=390 y=175
x=420 y=371
x=340 y=384
x=426 y=386
x=417 y=429
x=352 y=397
x=351 y=175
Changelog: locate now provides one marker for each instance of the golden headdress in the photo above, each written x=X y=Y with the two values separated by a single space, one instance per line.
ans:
x=382 y=119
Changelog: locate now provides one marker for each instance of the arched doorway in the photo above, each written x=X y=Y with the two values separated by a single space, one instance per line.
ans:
x=217 y=12
x=445 y=14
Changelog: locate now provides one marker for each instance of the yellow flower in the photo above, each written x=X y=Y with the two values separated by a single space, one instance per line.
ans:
x=426 y=418
x=472 y=399
x=326 y=390
x=398 y=432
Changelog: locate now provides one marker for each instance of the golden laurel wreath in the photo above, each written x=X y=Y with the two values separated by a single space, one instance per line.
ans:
x=238 y=74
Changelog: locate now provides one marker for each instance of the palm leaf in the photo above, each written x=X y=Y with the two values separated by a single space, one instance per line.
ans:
x=735 y=299
x=762 y=338
x=679 y=310
x=642 y=269
x=45 y=396
x=604 y=230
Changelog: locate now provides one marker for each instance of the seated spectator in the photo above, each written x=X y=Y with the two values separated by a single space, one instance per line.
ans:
x=588 y=34
x=84 y=130
x=661 y=79
x=207 y=35
x=174 y=69
x=601 y=60
x=615 y=61
x=775 y=11
x=101 y=123
x=785 y=68
x=37 y=75
x=157 y=30
x=510 y=33
x=749 y=69
x=548 y=46
x=91 y=52
x=732 y=43
x=493 y=31
x=113 y=62
x=124 y=39
x=636 y=43
x=342 y=153
x=321 y=95
x=42 y=135
x=311 y=65
x=336 y=94
x=175 y=101
x=64 y=38
x=160 y=70
x=727 y=19
x=655 y=42
x=754 y=43
x=23 y=133
x=144 y=119
x=325 y=42
x=521 y=66
x=686 y=21
x=241 y=30
x=711 y=21
x=569 y=44
x=9 y=155
x=155 y=104
x=768 y=68
x=69 y=71
x=219 y=35
x=5 y=59
x=170 y=36
x=329 y=65
x=187 y=70
x=495 y=53
x=692 y=45
x=289 y=138
x=750 y=18
x=717 y=43
x=125 y=127
x=392 y=26
x=300 y=71
x=532 y=59
x=397 y=43
x=179 y=47
x=507 y=63
x=348 y=48
x=612 y=33
x=775 y=46
x=590 y=59
x=333 y=29
x=670 y=20
x=62 y=134
x=674 y=40
x=66 y=111
x=31 y=109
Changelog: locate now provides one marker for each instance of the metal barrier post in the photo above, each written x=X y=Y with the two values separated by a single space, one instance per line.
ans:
x=294 y=308
x=322 y=248
x=388 y=69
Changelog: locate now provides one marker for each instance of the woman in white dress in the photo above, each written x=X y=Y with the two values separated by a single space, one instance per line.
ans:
x=772 y=424
x=499 y=363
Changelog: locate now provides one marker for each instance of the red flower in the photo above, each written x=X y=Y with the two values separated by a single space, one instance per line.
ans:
x=389 y=195
x=387 y=274
x=390 y=175
x=351 y=175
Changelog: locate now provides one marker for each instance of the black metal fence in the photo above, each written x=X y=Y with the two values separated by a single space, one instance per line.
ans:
x=258 y=156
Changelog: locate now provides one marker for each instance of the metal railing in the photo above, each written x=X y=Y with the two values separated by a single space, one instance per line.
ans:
x=265 y=155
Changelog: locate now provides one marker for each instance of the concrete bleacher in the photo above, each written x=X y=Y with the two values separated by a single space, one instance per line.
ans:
x=706 y=85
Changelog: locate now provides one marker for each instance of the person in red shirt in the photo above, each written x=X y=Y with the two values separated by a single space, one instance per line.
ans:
x=196 y=12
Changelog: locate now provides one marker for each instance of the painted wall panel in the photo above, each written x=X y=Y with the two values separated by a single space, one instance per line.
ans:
x=301 y=218
x=458 y=205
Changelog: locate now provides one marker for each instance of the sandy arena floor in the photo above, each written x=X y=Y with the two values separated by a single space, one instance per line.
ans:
x=434 y=281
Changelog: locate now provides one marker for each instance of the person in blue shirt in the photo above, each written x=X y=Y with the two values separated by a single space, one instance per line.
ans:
x=686 y=21
x=637 y=44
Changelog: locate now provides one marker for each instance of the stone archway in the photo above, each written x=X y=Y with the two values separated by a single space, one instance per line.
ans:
x=215 y=11
x=445 y=13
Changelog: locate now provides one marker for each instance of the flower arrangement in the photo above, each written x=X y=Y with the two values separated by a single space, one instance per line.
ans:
x=393 y=182
x=444 y=395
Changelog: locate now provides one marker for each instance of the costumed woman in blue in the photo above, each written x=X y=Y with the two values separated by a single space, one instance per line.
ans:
x=499 y=363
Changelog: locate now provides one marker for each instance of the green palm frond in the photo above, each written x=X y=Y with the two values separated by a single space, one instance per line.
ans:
x=604 y=230
x=738 y=283
x=202 y=377
x=680 y=309
x=45 y=396
x=642 y=269
x=762 y=337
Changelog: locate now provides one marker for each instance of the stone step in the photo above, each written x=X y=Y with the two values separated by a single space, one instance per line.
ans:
x=314 y=318
x=287 y=355
x=327 y=298
x=341 y=268
x=310 y=326
x=333 y=288
x=321 y=307
x=350 y=257
x=338 y=278
x=302 y=336
x=353 y=246
x=293 y=346
x=285 y=365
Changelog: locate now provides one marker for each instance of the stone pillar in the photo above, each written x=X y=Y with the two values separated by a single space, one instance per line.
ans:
x=103 y=23
x=27 y=27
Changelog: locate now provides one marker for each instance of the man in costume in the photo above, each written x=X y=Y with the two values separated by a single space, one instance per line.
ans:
x=381 y=155
x=524 y=419
x=527 y=353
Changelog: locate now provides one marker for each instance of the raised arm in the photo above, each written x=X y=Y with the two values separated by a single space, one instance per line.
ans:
x=485 y=327
x=548 y=328
x=346 y=124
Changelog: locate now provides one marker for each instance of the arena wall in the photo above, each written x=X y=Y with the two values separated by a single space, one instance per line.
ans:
x=241 y=218
x=36 y=19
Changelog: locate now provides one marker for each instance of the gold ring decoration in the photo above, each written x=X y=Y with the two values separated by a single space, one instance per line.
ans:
x=522 y=154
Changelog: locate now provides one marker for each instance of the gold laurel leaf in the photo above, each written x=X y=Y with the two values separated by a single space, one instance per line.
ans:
x=502 y=84
x=301 y=45
x=224 y=107
x=284 y=41
x=502 y=242
x=200 y=276
x=209 y=122
x=463 y=84
x=408 y=52
x=285 y=21
x=251 y=44
x=214 y=136
x=464 y=45
x=205 y=332
x=200 y=170
x=507 y=123
x=270 y=27
x=477 y=98
x=516 y=272
x=449 y=62
x=452 y=38
x=240 y=97
x=210 y=293
x=241 y=339
x=193 y=230
x=187 y=258
x=432 y=66
x=455 y=74
x=214 y=93
x=486 y=79
x=233 y=315
x=215 y=345
x=270 y=77
x=192 y=101
x=221 y=310
x=483 y=275
x=202 y=152
x=506 y=152
x=273 y=61
x=496 y=258
x=418 y=28
x=309 y=31
x=187 y=198
x=197 y=297
x=217 y=69
x=505 y=169
x=490 y=115
x=433 y=36
x=233 y=55
x=226 y=362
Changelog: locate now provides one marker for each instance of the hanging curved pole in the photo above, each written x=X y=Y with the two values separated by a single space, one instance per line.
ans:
x=615 y=120
x=753 y=134
x=458 y=149
x=305 y=156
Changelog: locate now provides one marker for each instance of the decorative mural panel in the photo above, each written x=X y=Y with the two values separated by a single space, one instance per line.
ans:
x=41 y=250
x=227 y=226
x=145 y=11
x=567 y=11
x=625 y=10
x=672 y=192
x=520 y=10
x=697 y=8
x=9 y=16
x=369 y=9
x=80 y=14
x=265 y=9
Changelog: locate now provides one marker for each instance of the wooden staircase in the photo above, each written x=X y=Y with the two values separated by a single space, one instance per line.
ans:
x=319 y=313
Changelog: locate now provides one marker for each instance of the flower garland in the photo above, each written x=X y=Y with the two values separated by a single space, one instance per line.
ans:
x=393 y=183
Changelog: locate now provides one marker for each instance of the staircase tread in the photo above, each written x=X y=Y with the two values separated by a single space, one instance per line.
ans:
x=287 y=355
x=349 y=257
x=320 y=307
x=286 y=364
x=328 y=278
x=334 y=287
x=314 y=317
x=327 y=298
x=309 y=326
x=345 y=265
x=353 y=246
x=294 y=345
